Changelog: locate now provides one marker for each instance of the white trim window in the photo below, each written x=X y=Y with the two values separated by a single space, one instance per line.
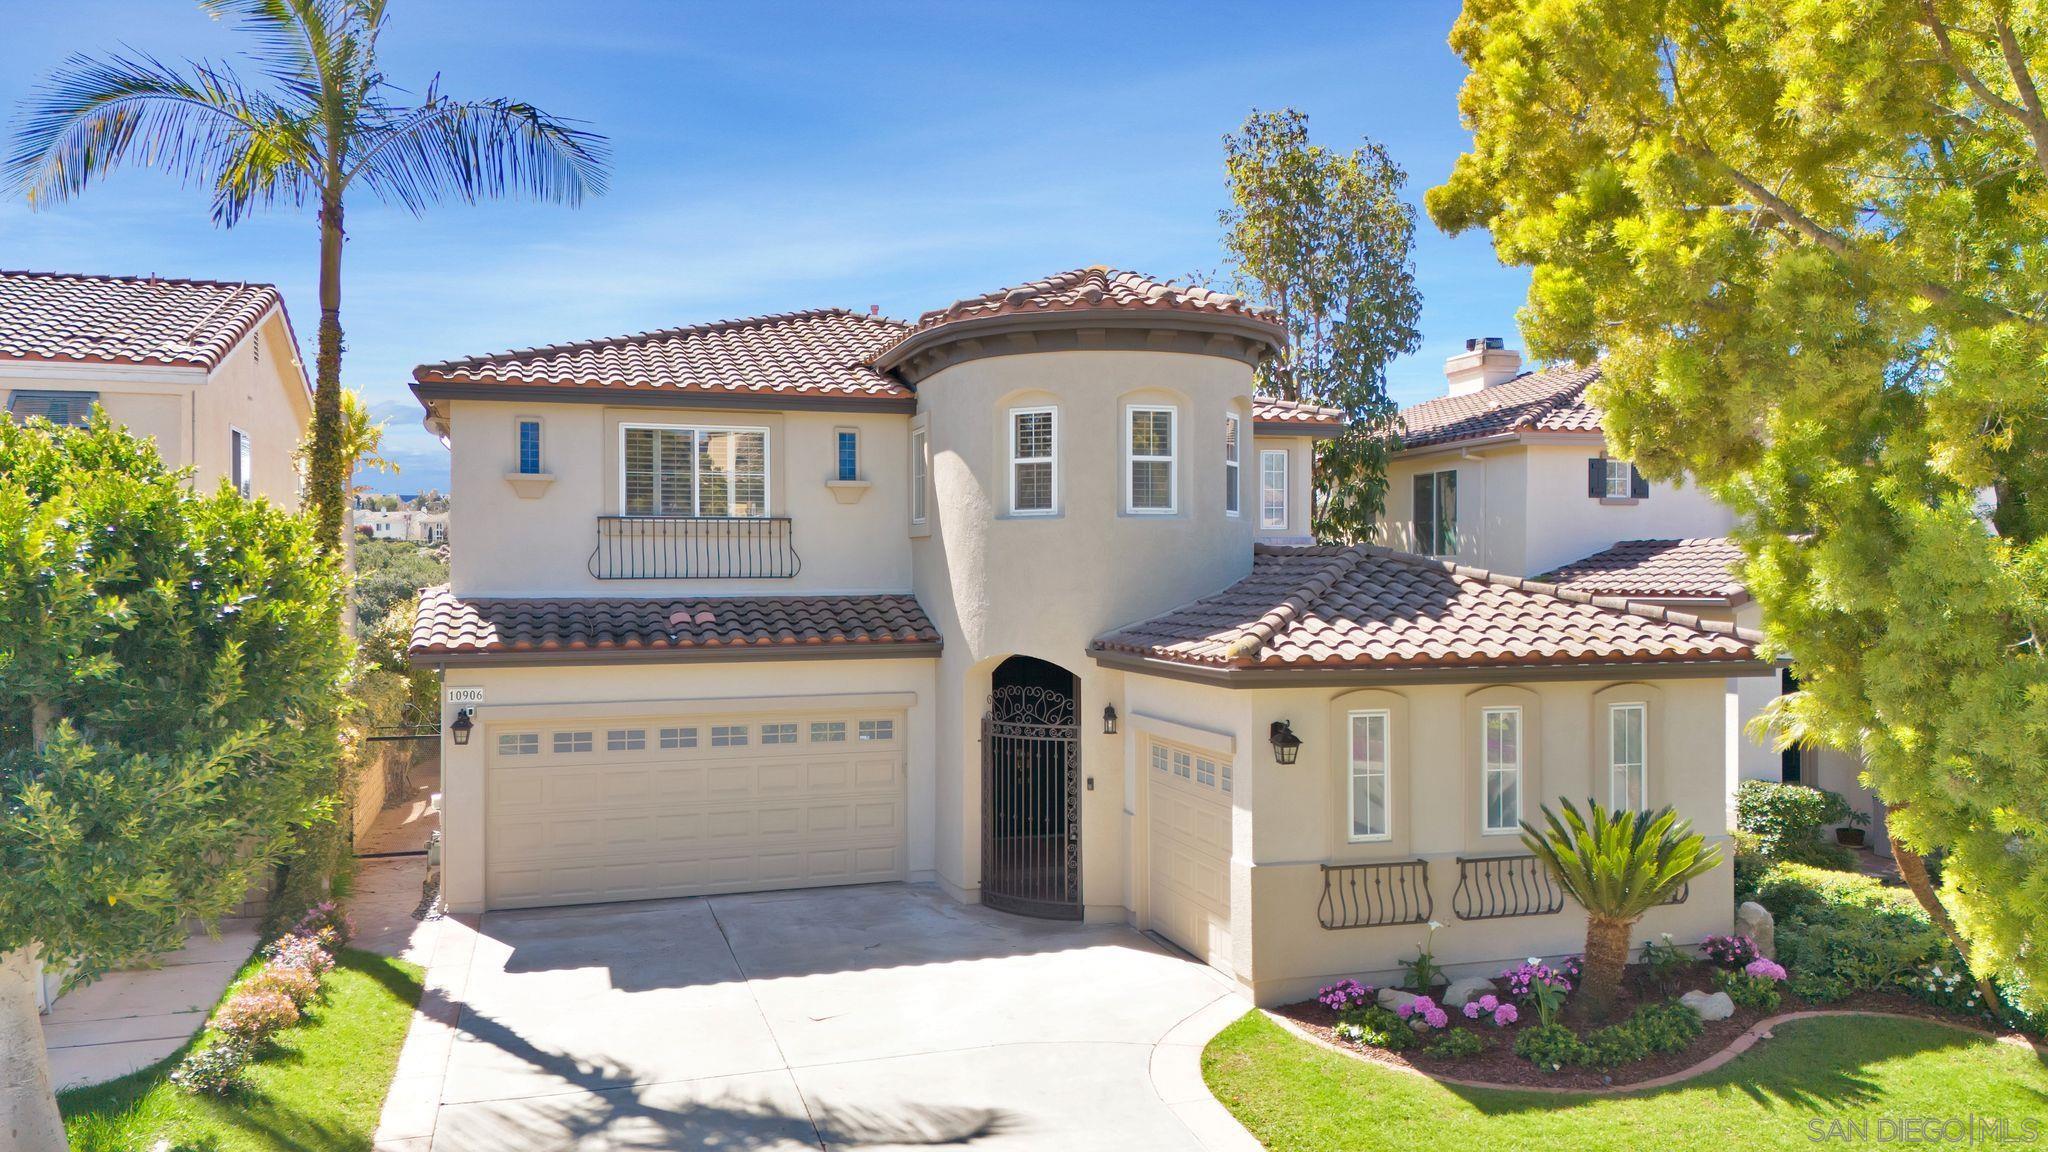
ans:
x=1368 y=804
x=1034 y=461
x=1500 y=770
x=1436 y=513
x=241 y=462
x=1273 y=489
x=918 y=475
x=1628 y=761
x=674 y=470
x=1150 y=472
x=1232 y=454
x=1621 y=479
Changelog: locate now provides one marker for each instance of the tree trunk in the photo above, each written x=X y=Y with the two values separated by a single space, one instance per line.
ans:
x=28 y=1108
x=326 y=482
x=1606 y=957
x=1913 y=870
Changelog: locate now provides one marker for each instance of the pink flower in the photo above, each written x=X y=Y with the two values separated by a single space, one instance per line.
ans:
x=1472 y=1009
x=1765 y=969
x=1505 y=1015
x=1489 y=1002
x=1406 y=1010
x=1436 y=1017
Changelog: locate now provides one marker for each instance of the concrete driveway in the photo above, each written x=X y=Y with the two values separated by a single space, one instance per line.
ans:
x=852 y=1018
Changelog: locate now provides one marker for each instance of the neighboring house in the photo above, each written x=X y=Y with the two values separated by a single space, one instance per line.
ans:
x=403 y=524
x=1004 y=599
x=208 y=370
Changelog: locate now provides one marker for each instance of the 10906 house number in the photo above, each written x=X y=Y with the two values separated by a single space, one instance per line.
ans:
x=465 y=695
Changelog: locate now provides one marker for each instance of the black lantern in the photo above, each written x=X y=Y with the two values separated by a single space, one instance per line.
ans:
x=1286 y=745
x=465 y=722
x=1109 y=719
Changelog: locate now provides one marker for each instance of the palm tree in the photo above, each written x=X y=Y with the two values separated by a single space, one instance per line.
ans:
x=328 y=122
x=1617 y=866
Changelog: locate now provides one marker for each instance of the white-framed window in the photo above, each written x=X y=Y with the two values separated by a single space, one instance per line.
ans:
x=1149 y=461
x=1183 y=765
x=1232 y=455
x=674 y=738
x=673 y=470
x=1628 y=759
x=778 y=733
x=828 y=731
x=1371 y=736
x=527 y=444
x=728 y=735
x=625 y=740
x=1436 y=513
x=1034 y=461
x=518 y=743
x=1273 y=488
x=878 y=730
x=64 y=409
x=1225 y=779
x=571 y=742
x=1500 y=769
x=1205 y=772
x=845 y=454
x=241 y=462
x=919 y=474
x=1159 y=758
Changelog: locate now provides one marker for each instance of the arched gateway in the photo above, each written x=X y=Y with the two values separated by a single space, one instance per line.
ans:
x=1030 y=794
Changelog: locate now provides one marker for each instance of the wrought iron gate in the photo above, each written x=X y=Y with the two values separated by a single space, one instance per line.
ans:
x=1031 y=803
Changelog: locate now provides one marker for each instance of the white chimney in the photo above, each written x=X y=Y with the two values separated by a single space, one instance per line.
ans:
x=1486 y=361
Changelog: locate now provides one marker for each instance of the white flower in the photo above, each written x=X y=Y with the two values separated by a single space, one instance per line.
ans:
x=1434 y=925
x=1665 y=935
x=1533 y=961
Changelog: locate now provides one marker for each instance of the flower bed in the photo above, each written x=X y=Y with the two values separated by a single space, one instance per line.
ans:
x=265 y=1003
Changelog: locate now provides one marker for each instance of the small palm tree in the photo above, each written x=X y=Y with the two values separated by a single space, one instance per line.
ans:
x=329 y=122
x=1617 y=866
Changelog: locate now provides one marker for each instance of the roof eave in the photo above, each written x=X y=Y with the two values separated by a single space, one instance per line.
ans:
x=1290 y=428
x=897 y=356
x=1314 y=676
x=1495 y=439
x=729 y=654
x=428 y=391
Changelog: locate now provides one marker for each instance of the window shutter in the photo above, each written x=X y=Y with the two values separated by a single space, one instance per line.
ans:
x=1638 y=485
x=1596 y=477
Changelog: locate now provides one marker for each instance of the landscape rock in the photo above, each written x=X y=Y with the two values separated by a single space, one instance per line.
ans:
x=1394 y=998
x=1754 y=921
x=1710 y=1006
x=1467 y=989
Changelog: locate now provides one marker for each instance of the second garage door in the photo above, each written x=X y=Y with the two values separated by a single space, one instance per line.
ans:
x=1190 y=840
x=632 y=809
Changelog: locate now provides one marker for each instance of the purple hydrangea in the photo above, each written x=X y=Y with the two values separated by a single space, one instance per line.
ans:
x=1345 y=995
x=1505 y=1015
x=1730 y=951
x=1522 y=978
x=1765 y=969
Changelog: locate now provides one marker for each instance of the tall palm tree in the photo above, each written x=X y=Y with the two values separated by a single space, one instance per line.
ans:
x=328 y=122
x=1617 y=866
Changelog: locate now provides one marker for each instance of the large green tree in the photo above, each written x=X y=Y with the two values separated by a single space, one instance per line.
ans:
x=171 y=670
x=1325 y=239
x=328 y=123
x=1805 y=238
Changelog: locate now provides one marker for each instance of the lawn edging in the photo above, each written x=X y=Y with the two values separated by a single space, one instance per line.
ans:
x=1761 y=1030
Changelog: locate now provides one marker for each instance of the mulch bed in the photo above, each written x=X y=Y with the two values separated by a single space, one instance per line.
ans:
x=1498 y=1064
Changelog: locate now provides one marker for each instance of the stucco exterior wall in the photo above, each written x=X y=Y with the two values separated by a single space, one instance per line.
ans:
x=1492 y=505
x=1301 y=457
x=845 y=547
x=998 y=585
x=516 y=695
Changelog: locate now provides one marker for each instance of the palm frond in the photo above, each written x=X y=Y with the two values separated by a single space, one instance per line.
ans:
x=1619 y=865
x=294 y=37
x=478 y=149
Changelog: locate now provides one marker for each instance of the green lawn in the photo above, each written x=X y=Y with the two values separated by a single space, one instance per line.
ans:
x=1806 y=1088
x=319 y=1090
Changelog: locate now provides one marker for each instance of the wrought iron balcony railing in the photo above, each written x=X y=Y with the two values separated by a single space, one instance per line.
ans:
x=694 y=548
x=1495 y=887
x=1372 y=895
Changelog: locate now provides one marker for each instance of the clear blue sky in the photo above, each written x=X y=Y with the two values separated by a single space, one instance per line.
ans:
x=772 y=157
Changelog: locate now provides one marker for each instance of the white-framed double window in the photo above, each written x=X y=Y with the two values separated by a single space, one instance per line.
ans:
x=1628 y=758
x=1371 y=739
x=1273 y=489
x=1233 y=454
x=677 y=470
x=919 y=475
x=1500 y=769
x=1150 y=464
x=1034 y=461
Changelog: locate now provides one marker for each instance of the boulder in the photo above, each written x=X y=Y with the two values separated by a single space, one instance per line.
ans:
x=1467 y=989
x=1709 y=1005
x=1754 y=921
x=1394 y=998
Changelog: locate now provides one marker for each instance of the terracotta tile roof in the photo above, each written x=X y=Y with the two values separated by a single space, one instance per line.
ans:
x=1553 y=400
x=68 y=318
x=1370 y=608
x=448 y=626
x=822 y=352
x=1097 y=287
x=1658 y=569
x=1273 y=410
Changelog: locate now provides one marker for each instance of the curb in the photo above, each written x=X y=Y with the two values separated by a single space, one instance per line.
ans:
x=1176 y=1072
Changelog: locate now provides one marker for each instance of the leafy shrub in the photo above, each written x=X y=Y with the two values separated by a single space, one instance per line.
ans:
x=1655 y=1029
x=1550 y=1046
x=253 y=1015
x=216 y=1068
x=299 y=985
x=1855 y=950
x=1665 y=962
x=1750 y=990
x=301 y=952
x=1533 y=982
x=1344 y=995
x=1377 y=1027
x=1786 y=818
x=328 y=923
x=1456 y=1044
x=1667 y=1027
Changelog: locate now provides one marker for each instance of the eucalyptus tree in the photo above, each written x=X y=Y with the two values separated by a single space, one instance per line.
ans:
x=325 y=122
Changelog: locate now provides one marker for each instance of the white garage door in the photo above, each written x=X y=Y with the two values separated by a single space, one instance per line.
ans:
x=584 y=811
x=1190 y=849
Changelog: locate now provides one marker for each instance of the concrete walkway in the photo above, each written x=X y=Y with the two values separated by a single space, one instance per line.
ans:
x=873 y=1018
x=128 y=1020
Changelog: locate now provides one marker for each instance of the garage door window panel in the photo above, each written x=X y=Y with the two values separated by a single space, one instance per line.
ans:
x=571 y=743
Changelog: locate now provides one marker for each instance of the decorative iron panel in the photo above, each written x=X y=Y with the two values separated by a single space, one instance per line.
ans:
x=1497 y=887
x=694 y=548
x=1373 y=895
x=1684 y=893
x=1031 y=803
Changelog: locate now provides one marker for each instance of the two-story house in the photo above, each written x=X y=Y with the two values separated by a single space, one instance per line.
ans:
x=208 y=370
x=1510 y=470
x=1012 y=599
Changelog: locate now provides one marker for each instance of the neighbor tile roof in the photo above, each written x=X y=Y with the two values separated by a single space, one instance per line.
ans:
x=66 y=318
x=1658 y=569
x=1552 y=400
x=1273 y=410
x=1097 y=288
x=822 y=352
x=1370 y=608
x=448 y=625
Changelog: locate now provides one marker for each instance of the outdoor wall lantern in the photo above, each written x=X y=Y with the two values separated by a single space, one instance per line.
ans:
x=1109 y=719
x=465 y=723
x=1286 y=745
